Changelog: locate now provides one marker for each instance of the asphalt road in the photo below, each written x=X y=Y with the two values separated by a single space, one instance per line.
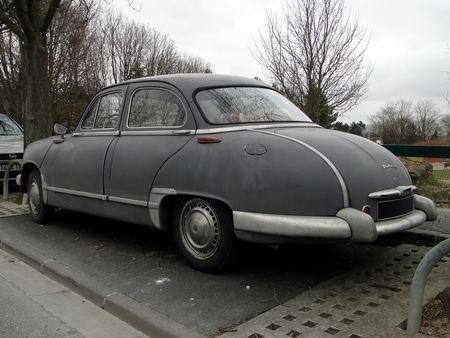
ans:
x=144 y=265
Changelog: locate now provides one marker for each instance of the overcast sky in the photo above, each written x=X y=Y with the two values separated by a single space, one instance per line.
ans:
x=409 y=45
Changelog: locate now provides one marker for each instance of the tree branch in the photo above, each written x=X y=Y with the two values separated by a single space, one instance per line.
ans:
x=22 y=16
x=50 y=13
x=6 y=21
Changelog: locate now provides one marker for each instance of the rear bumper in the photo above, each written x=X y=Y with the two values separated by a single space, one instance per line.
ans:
x=349 y=224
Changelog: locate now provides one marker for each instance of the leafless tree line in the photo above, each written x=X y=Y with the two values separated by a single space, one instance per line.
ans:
x=88 y=49
x=406 y=122
x=315 y=55
x=133 y=50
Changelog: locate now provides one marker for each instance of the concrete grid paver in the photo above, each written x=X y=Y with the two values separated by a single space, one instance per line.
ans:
x=370 y=302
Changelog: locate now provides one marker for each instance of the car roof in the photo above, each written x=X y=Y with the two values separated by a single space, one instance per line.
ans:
x=189 y=83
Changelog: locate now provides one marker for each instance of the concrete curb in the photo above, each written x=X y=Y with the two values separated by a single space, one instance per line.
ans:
x=134 y=313
x=427 y=236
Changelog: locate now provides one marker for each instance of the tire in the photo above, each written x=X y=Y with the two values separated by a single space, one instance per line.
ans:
x=40 y=213
x=204 y=235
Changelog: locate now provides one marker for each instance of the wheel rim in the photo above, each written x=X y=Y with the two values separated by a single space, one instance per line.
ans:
x=35 y=197
x=199 y=228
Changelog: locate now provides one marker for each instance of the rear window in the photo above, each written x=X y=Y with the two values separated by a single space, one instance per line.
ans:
x=234 y=105
x=155 y=108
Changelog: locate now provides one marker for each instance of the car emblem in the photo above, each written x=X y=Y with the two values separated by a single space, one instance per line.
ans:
x=12 y=156
x=387 y=166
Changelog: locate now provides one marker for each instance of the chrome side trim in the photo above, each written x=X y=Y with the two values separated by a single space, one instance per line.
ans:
x=323 y=157
x=44 y=190
x=127 y=201
x=256 y=127
x=130 y=201
x=157 y=132
x=97 y=133
x=77 y=193
x=295 y=226
x=400 y=191
x=156 y=196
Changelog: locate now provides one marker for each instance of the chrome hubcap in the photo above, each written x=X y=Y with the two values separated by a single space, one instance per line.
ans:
x=34 y=198
x=200 y=229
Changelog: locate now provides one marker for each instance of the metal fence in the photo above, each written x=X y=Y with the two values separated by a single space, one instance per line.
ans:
x=419 y=151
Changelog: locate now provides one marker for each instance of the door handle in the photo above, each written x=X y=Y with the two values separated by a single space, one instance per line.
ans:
x=181 y=132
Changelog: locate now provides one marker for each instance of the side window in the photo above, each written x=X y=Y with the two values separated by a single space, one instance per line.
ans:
x=156 y=108
x=108 y=111
x=88 y=121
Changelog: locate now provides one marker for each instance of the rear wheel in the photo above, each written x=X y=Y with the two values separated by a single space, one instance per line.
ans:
x=203 y=232
x=40 y=213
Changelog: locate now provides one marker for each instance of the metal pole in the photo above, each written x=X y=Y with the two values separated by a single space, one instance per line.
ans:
x=418 y=284
x=6 y=178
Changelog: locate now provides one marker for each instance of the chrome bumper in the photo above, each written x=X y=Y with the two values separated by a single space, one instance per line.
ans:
x=349 y=224
x=19 y=180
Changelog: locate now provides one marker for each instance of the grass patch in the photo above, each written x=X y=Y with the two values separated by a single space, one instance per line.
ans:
x=433 y=188
x=445 y=174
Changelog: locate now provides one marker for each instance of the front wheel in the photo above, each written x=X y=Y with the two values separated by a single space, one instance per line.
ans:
x=40 y=213
x=203 y=232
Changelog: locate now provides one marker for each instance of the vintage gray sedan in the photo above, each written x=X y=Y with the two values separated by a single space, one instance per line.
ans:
x=217 y=159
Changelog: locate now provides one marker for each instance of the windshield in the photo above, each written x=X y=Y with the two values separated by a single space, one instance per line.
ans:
x=9 y=127
x=246 y=105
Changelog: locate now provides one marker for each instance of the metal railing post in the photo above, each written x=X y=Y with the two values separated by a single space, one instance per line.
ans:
x=418 y=284
x=6 y=178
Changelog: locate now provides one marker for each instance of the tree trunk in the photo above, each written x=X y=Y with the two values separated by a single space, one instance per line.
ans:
x=37 y=108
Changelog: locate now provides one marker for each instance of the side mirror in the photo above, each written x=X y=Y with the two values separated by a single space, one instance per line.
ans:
x=59 y=129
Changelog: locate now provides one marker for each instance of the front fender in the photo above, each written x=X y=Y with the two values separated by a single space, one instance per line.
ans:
x=33 y=157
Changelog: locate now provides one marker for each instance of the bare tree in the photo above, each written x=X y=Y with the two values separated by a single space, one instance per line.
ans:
x=445 y=124
x=75 y=64
x=135 y=50
x=315 y=56
x=395 y=123
x=427 y=119
x=84 y=51
x=30 y=21
x=10 y=84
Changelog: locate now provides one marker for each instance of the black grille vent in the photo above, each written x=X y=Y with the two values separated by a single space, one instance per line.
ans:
x=395 y=208
x=4 y=157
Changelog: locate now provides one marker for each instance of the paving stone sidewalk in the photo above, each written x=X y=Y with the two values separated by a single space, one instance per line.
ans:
x=8 y=209
x=369 y=302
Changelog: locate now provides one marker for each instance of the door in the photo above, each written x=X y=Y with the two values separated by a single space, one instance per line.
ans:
x=157 y=125
x=75 y=166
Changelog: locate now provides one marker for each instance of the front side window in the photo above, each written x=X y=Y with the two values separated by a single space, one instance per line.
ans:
x=233 y=105
x=88 y=122
x=156 y=108
x=108 y=111
x=104 y=112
